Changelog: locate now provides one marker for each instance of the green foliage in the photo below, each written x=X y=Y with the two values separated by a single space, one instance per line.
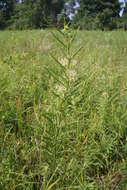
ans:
x=6 y=11
x=30 y=14
x=2 y=21
x=91 y=15
x=63 y=117
x=123 y=19
x=96 y=14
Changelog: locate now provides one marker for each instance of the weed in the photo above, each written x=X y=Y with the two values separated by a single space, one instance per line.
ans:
x=63 y=117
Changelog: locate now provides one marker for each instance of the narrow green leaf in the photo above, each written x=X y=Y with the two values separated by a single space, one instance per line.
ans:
x=57 y=61
x=58 y=40
x=76 y=52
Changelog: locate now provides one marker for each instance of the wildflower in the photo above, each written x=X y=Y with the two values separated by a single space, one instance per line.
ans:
x=63 y=61
x=60 y=89
x=72 y=75
x=74 y=62
x=105 y=95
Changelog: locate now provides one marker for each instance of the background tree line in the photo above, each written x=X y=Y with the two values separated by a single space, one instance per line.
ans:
x=91 y=14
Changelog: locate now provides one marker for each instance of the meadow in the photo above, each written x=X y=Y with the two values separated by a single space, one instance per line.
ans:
x=63 y=110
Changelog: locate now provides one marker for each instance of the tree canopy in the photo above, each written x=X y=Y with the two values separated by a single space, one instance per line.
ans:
x=92 y=14
x=98 y=13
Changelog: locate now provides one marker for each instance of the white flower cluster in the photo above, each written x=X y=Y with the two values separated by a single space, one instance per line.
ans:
x=60 y=89
x=72 y=75
x=63 y=61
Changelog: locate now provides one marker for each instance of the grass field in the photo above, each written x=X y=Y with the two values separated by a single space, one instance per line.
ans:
x=63 y=127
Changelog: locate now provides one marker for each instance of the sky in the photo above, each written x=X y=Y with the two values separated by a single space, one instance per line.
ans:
x=75 y=7
x=122 y=1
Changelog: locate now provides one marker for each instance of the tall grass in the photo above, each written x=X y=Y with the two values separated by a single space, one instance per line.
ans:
x=63 y=110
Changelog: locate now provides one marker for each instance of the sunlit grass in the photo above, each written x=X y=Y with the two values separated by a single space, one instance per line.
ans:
x=63 y=129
